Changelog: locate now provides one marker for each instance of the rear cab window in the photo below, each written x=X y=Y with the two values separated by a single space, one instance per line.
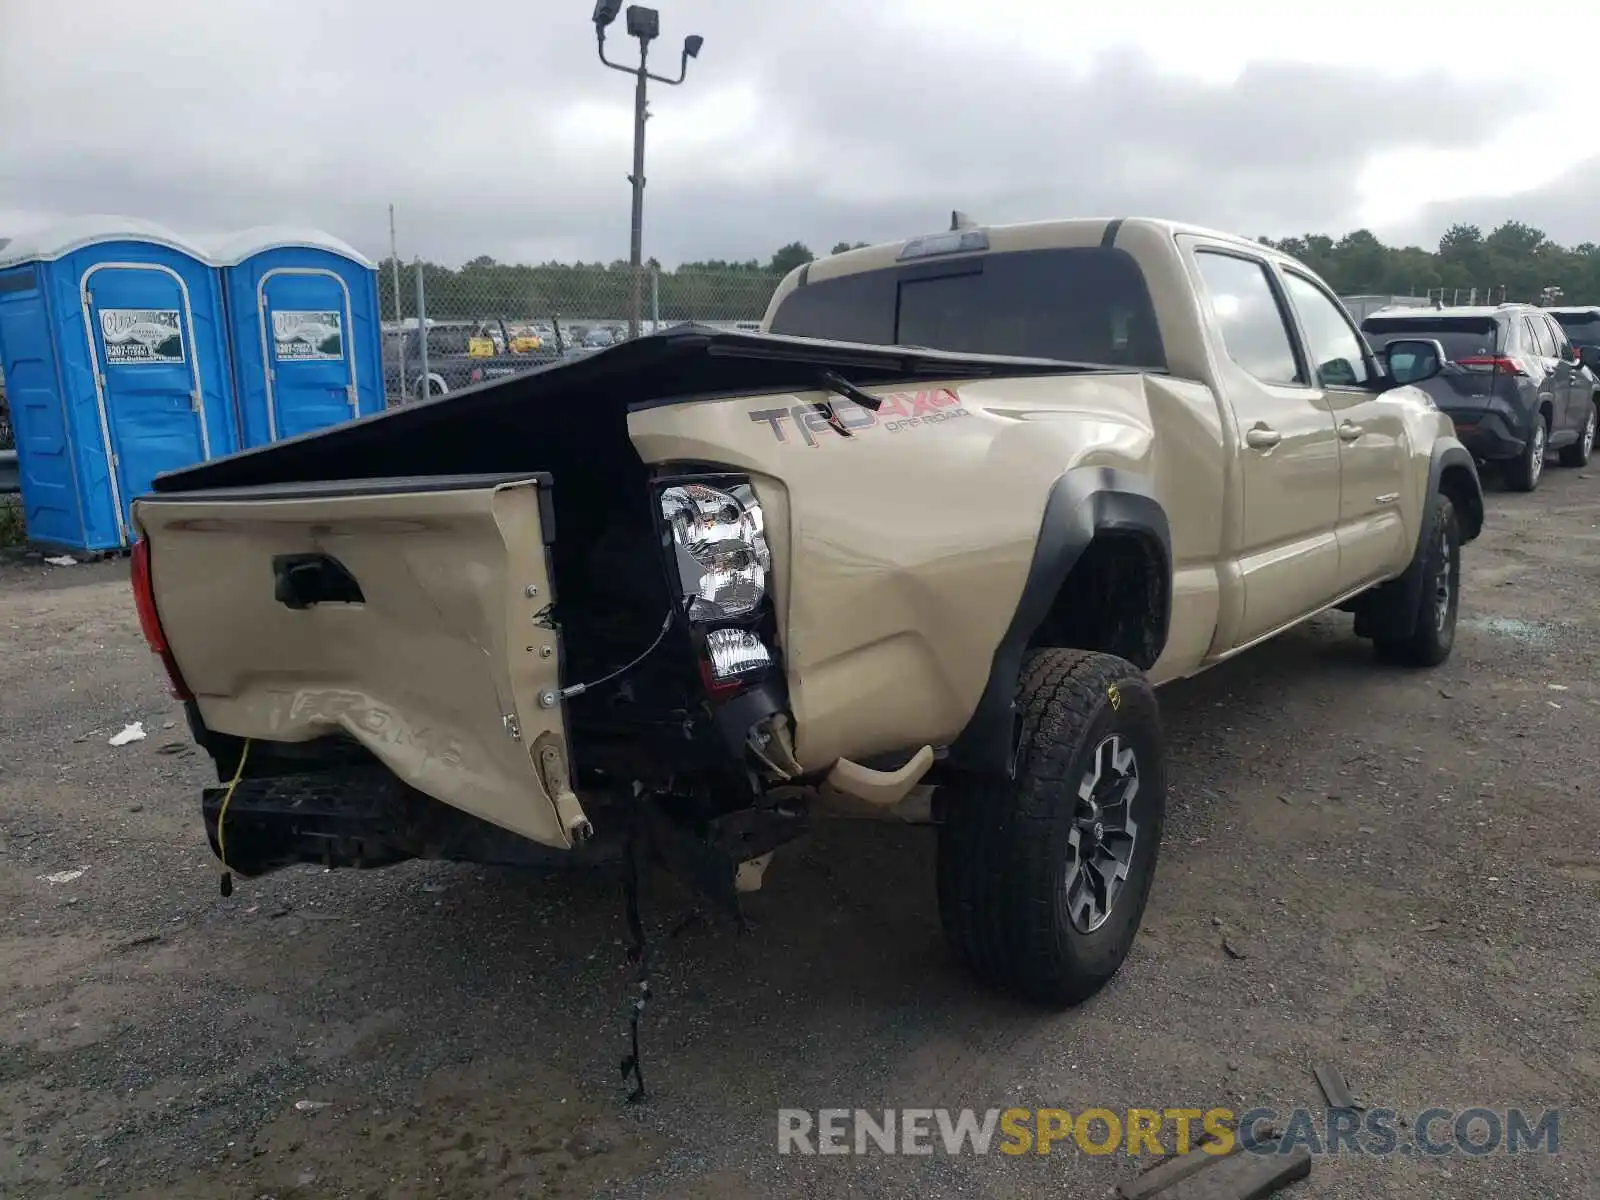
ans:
x=1461 y=337
x=1081 y=304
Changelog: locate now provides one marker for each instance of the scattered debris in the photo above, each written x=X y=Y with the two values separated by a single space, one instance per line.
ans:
x=56 y=877
x=145 y=939
x=130 y=733
x=1232 y=947
x=1557 y=687
x=61 y=560
x=310 y=1105
x=311 y=914
x=1334 y=1087
x=172 y=748
x=1447 y=695
x=135 y=808
x=1430 y=927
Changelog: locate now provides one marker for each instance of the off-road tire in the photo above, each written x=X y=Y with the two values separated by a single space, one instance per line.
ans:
x=1006 y=845
x=1522 y=474
x=1432 y=633
x=1577 y=454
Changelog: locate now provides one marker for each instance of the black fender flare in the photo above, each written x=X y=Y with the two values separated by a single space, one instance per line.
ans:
x=1083 y=503
x=1387 y=609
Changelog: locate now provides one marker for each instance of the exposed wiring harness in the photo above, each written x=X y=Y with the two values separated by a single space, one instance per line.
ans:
x=222 y=819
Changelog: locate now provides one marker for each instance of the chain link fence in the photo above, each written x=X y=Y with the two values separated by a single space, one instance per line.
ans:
x=489 y=320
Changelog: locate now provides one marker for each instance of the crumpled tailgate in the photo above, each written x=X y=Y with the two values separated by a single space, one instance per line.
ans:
x=411 y=614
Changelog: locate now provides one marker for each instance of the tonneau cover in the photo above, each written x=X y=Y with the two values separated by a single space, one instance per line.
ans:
x=495 y=426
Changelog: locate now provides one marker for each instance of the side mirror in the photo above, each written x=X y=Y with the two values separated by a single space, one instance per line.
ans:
x=1412 y=360
x=1589 y=356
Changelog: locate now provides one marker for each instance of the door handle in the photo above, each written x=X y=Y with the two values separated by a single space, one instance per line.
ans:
x=1349 y=431
x=1262 y=437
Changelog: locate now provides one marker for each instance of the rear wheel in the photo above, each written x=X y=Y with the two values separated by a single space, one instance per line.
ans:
x=1043 y=878
x=1432 y=633
x=1523 y=472
x=1577 y=454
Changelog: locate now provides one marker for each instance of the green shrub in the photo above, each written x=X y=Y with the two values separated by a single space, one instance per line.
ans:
x=12 y=530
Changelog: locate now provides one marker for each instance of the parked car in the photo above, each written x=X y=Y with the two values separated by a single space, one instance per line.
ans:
x=461 y=354
x=680 y=595
x=1582 y=325
x=1512 y=383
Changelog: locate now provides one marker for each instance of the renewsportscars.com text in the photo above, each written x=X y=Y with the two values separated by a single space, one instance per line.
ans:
x=1381 y=1132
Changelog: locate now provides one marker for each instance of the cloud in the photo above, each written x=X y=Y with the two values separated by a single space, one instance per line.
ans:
x=1564 y=209
x=493 y=129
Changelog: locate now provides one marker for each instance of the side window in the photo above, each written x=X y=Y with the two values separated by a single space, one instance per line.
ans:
x=1247 y=313
x=1541 y=344
x=1336 y=350
x=1558 y=337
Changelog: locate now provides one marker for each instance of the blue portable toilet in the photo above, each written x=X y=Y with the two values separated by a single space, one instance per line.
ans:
x=113 y=345
x=304 y=321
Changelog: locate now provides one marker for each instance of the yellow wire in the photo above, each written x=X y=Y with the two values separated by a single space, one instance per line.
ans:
x=222 y=813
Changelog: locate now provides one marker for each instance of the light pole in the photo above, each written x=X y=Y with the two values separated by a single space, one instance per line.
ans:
x=644 y=24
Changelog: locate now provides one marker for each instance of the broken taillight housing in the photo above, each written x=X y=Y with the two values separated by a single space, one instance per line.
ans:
x=721 y=548
x=144 y=600
x=717 y=545
x=734 y=653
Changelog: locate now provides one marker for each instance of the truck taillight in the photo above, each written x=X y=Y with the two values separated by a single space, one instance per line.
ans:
x=720 y=565
x=144 y=600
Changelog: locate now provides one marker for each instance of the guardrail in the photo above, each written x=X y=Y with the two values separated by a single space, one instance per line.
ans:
x=10 y=473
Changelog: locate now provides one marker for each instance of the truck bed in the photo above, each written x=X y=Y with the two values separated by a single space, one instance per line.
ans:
x=545 y=418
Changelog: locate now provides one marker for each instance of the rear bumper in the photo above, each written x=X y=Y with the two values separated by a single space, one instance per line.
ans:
x=1488 y=434
x=361 y=817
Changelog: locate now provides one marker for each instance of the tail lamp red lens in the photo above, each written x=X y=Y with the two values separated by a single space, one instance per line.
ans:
x=1500 y=366
x=144 y=600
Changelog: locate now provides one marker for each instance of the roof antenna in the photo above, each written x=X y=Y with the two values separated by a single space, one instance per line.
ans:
x=960 y=220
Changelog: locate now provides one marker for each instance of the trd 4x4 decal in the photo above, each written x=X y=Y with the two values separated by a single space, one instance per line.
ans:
x=900 y=411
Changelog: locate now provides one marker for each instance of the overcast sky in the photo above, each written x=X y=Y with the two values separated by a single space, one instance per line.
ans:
x=493 y=129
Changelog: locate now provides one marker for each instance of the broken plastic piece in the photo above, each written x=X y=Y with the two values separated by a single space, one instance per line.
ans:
x=881 y=789
x=130 y=733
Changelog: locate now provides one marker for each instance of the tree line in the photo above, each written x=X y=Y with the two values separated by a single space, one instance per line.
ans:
x=1513 y=261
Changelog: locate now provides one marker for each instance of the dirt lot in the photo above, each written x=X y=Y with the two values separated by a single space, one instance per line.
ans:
x=1409 y=864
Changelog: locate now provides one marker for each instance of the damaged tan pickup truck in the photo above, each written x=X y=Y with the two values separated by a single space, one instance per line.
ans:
x=940 y=528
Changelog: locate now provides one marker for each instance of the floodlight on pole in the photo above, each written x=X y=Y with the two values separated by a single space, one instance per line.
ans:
x=645 y=25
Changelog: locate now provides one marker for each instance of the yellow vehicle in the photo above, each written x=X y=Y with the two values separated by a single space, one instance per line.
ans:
x=947 y=522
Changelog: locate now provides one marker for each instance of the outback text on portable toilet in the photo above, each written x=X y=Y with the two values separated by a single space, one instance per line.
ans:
x=116 y=367
x=302 y=309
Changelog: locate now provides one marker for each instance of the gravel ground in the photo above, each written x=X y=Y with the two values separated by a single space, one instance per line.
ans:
x=1407 y=862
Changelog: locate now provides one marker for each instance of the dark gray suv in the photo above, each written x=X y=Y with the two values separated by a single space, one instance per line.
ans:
x=1582 y=323
x=1512 y=383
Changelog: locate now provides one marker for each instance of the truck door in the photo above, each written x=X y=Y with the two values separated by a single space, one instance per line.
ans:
x=1285 y=502
x=147 y=383
x=306 y=341
x=1376 y=507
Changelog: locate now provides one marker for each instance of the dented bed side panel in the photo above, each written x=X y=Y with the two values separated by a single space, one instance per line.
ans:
x=437 y=668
